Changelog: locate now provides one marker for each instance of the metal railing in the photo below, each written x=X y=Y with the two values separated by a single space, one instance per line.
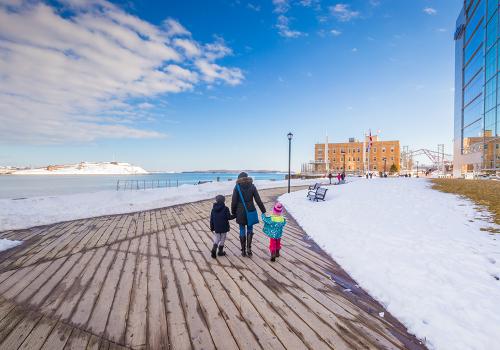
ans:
x=145 y=184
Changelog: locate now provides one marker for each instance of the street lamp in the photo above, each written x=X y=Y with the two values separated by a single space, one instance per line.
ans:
x=290 y=135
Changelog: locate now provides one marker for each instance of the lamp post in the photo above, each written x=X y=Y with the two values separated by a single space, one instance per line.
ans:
x=290 y=135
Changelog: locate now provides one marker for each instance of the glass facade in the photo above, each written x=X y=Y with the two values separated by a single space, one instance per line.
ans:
x=477 y=90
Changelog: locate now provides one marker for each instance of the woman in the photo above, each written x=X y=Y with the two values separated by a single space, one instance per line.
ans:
x=249 y=193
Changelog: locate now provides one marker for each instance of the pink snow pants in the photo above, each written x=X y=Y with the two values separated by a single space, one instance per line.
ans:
x=274 y=244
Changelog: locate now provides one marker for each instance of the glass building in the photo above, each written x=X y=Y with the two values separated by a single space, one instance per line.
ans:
x=477 y=90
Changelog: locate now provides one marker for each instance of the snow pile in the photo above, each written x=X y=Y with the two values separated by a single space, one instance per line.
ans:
x=34 y=211
x=7 y=244
x=418 y=251
x=86 y=168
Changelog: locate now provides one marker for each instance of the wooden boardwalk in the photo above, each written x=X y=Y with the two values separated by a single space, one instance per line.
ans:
x=146 y=280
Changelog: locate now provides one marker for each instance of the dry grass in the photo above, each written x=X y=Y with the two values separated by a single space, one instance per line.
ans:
x=483 y=192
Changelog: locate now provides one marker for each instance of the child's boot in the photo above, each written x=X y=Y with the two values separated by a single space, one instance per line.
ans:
x=221 y=251
x=243 y=241
x=249 y=244
x=273 y=255
x=278 y=253
x=214 y=251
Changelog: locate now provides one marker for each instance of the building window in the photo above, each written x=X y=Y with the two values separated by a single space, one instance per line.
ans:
x=375 y=150
x=374 y=159
x=333 y=151
x=392 y=149
x=392 y=158
x=374 y=167
x=383 y=149
x=358 y=159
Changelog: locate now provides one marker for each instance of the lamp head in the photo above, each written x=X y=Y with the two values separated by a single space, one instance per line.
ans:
x=290 y=135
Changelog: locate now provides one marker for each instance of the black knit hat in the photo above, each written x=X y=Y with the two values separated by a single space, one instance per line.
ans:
x=220 y=199
x=242 y=174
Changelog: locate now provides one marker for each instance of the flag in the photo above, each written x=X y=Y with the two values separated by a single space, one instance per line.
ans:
x=370 y=142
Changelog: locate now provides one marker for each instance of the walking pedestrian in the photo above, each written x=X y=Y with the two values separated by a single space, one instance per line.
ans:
x=330 y=176
x=273 y=228
x=219 y=225
x=243 y=208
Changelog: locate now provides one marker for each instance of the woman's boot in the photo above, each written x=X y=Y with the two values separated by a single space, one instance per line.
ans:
x=221 y=251
x=214 y=251
x=243 y=241
x=249 y=244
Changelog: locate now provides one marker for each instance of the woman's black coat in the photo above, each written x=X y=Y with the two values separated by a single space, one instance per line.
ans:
x=250 y=193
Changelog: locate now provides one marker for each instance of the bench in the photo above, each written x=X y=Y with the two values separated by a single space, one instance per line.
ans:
x=317 y=195
x=314 y=187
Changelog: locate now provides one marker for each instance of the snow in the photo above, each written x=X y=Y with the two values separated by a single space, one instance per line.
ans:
x=419 y=252
x=35 y=211
x=85 y=168
x=7 y=244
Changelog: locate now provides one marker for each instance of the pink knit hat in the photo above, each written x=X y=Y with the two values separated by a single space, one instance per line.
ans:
x=278 y=208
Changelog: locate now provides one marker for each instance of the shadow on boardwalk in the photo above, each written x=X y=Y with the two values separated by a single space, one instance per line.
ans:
x=146 y=280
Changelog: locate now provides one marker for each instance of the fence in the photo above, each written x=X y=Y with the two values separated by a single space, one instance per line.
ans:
x=145 y=184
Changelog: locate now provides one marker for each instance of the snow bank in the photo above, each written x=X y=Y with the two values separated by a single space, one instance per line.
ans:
x=418 y=251
x=85 y=168
x=35 y=211
x=7 y=244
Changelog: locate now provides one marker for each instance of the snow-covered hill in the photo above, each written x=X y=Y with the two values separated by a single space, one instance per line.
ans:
x=85 y=168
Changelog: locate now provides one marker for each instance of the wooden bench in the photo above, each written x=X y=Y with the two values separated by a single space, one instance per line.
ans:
x=317 y=195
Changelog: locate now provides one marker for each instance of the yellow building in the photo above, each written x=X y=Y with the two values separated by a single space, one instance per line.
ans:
x=353 y=157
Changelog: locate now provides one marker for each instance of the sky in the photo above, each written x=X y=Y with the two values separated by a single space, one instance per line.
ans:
x=197 y=85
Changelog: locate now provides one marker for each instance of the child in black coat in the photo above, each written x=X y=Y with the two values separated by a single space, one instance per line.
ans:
x=219 y=225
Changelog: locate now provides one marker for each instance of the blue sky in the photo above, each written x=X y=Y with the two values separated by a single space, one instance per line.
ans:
x=173 y=85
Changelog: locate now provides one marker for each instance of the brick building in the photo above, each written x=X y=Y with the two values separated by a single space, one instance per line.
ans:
x=353 y=155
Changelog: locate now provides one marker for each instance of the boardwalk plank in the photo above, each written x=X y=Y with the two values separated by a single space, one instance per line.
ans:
x=136 y=332
x=19 y=334
x=102 y=308
x=115 y=327
x=37 y=337
x=58 y=337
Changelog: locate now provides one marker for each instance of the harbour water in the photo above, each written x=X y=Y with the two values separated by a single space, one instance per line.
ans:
x=25 y=186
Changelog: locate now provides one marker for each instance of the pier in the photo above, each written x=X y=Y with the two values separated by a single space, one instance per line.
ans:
x=146 y=280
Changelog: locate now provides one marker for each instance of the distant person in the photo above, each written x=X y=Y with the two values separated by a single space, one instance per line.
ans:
x=367 y=175
x=343 y=177
x=371 y=175
x=273 y=228
x=219 y=225
x=330 y=176
x=339 y=177
x=245 y=189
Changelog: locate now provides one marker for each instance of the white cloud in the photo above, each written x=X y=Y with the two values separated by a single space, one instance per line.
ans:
x=253 y=7
x=354 y=49
x=190 y=47
x=375 y=3
x=73 y=77
x=284 y=30
x=430 y=11
x=281 y=6
x=343 y=12
x=213 y=72
x=335 y=32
